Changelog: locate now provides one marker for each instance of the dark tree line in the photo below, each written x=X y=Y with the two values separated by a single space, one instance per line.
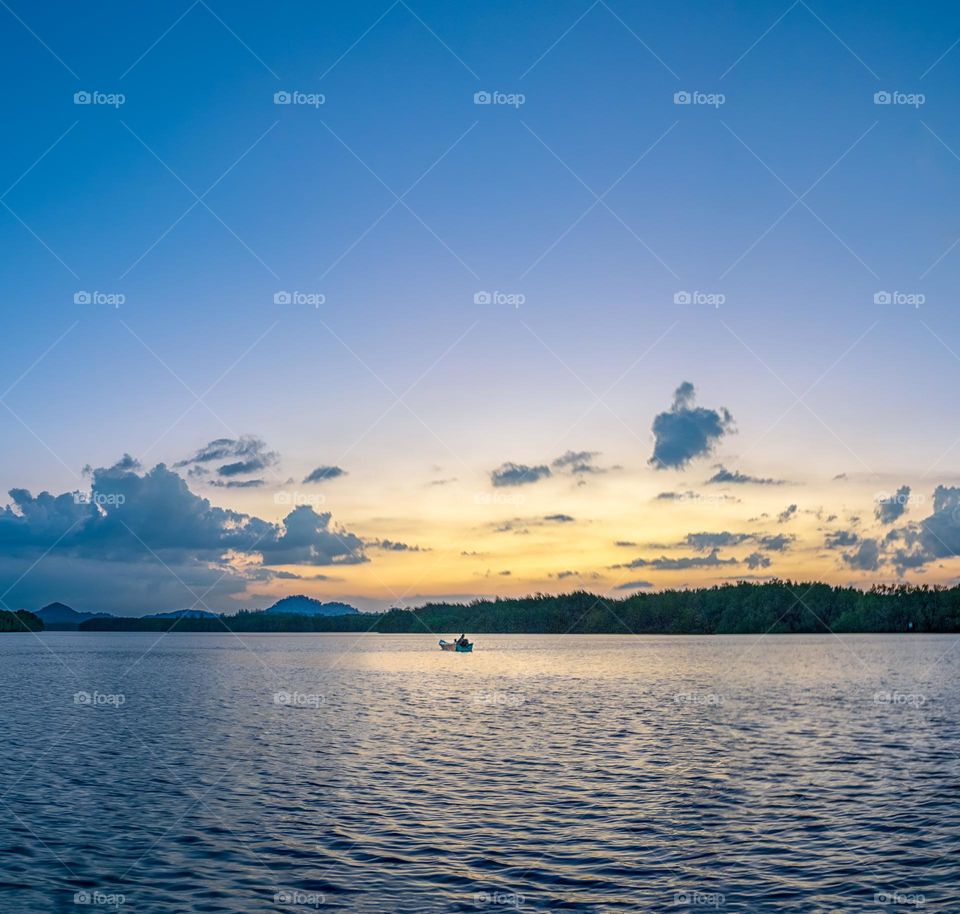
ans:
x=19 y=621
x=782 y=607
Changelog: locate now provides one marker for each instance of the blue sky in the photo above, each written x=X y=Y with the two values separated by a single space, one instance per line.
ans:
x=492 y=197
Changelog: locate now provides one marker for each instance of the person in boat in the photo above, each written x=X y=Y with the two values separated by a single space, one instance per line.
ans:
x=462 y=640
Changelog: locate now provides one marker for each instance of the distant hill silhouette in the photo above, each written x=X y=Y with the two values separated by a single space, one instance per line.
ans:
x=183 y=614
x=299 y=605
x=775 y=607
x=61 y=616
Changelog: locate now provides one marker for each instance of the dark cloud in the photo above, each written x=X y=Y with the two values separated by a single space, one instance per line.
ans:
x=773 y=542
x=891 y=507
x=394 y=546
x=841 y=539
x=323 y=473
x=627 y=543
x=734 y=477
x=578 y=463
x=517 y=474
x=685 y=431
x=787 y=514
x=634 y=585
x=664 y=563
x=935 y=537
x=244 y=447
x=522 y=524
x=126 y=462
x=245 y=455
x=238 y=483
x=442 y=482
x=151 y=537
x=704 y=542
x=757 y=560
x=243 y=467
x=866 y=557
x=693 y=496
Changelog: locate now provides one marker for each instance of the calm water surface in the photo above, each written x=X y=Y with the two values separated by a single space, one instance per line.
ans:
x=199 y=772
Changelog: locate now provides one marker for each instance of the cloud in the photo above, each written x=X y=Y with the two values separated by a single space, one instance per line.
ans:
x=694 y=497
x=841 y=539
x=686 y=431
x=734 y=477
x=157 y=543
x=626 y=543
x=238 y=483
x=866 y=558
x=518 y=474
x=244 y=456
x=787 y=514
x=323 y=473
x=703 y=542
x=891 y=507
x=126 y=462
x=578 y=463
x=757 y=560
x=394 y=546
x=243 y=467
x=634 y=585
x=521 y=524
x=934 y=537
x=664 y=563
x=773 y=542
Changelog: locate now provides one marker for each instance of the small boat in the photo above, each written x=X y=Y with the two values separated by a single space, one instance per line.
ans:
x=453 y=646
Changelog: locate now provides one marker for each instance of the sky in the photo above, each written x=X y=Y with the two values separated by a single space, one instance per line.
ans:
x=395 y=302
